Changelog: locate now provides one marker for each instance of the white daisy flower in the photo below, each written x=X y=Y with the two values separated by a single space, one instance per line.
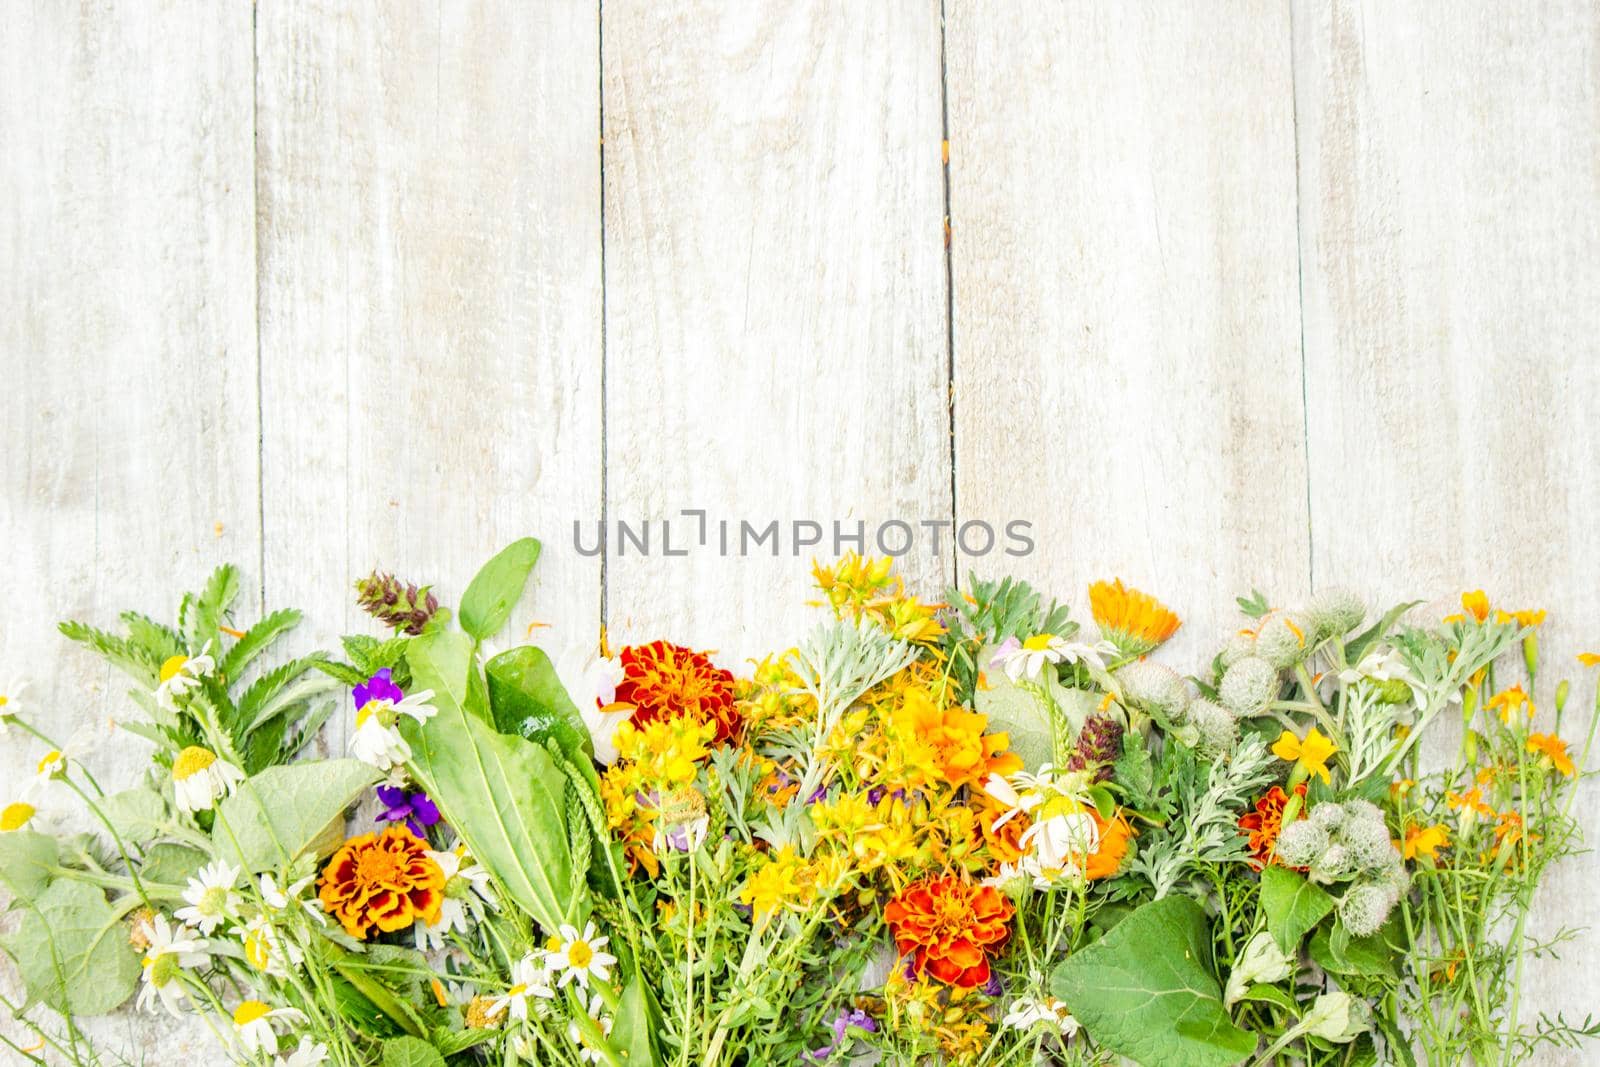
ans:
x=13 y=701
x=16 y=815
x=1017 y=802
x=1058 y=846
x=1028 y=658
x=200 y=779
x=528 y=979
x=1028 y=1012
x=580 y=956
x=211 y=897
x=596 y=1010
x=377 y=739
x=171 y=951
x=279 y=899
x=53 y=764
x=180 y=675
x=268 y=950
x=466 y=890
x=255 y=1026
x=307 y=1055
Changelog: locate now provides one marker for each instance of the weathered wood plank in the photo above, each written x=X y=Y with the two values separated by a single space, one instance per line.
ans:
x=127 y=351
x=1127 y=364
x=775 y=300
x=430 y=298
x=1450 y=214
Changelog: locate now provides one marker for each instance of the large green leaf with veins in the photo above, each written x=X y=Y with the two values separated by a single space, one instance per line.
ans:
x=1146 y=990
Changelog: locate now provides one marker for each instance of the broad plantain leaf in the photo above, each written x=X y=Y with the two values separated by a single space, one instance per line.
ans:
x=527 y=698
x=72 y=950
x=495 y=590
x=1145 y=990
x=284 y=812
x=170 y=863
x=26 y=858
x=1293 y=906
x=638 y=1022
x=504 y=795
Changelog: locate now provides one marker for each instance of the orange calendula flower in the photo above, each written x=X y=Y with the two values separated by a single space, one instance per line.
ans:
x=1113 y=835
x=1004 y=840
x=1507 y=701
x=1133 y=621
x=1424 y=841
x=1309 y=755
x=948 y=743
x=666 y=681
x=1265 y=823
x=947 y=926
x=382 y=880
x=1551 y=747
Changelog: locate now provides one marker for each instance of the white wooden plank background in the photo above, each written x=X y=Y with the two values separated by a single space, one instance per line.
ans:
x=1251 y=295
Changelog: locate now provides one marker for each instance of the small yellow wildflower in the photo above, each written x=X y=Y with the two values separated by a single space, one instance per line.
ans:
x=1507 y=701
x=1589 y=659
x=1424 y=841
x=1551 y=747
x=1310 y=755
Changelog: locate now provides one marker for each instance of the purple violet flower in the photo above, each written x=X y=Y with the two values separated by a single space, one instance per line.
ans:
x=841 y=1026
x=416 y=810
x=818 y=795
x=993 y=987
x=378 y=687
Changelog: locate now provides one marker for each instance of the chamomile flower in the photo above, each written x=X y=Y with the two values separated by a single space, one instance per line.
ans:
x=379 y=705
x=200 y=779
x=268 y=950
x=279 y=899
x=580 y=956
x=466 y=890
x=255 y=1026
x=308 y=1054
x=575 y=1034
x=171 y=951
x=13 y=702
x=16 y=815
x=211 y=897
x=1028 y=658
x=1017 y=801
x=180 y=675
x=528 y=979
x=1029 y=1012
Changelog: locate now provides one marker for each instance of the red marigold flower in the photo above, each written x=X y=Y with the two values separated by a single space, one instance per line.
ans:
x=664 y=681
x=386 y=880
x=1264 y=824
x=948 y=926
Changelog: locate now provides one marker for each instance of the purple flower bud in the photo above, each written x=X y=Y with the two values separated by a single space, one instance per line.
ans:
x=378 y=687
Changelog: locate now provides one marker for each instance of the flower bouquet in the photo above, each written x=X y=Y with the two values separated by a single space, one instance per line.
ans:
x=968 y=832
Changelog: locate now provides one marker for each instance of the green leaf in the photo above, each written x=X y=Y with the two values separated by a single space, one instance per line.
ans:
x=443 y=662
x=138 y=814
x=25 y=861
x=637 y=1023
x=209 y=608
x=72 y=950
x=505 y=796
x=170 y=863
x=410 y=1052
x=1293 y=906
x=255 y=641
x=1145 y=990
x=527 y=699
x=1271 y=994
x=284 y=812
x=1357 y=646
x=1338 y=953
x=495 y=590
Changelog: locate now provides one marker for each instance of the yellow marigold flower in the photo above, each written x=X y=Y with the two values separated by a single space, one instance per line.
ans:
x=1424 y=841
x=911 y=620
x=855 y=582
x=948 y=744
x=778 y=883
x=1135 y=622
x=1310 y=755
x=1551 y=747
x=1507 y=701
x=1476 y=604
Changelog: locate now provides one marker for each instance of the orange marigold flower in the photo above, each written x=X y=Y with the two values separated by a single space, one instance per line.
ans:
x=1265 y=823
x=1521 y=618
x=1554 y=749
x=385 y=880
x=948 y=926
x=947 y=742
x=1476 y=604
x=1114 y=834
x=1133 y=621
x=1507 y=701
x=665 y=681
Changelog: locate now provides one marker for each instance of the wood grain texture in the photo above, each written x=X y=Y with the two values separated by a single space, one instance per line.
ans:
x=127 y=351
x=775 y=298
x=430 y=299
x=1450 y=217
x=1127 y=364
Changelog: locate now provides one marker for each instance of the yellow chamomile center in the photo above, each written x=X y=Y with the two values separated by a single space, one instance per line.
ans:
x=16 y=816
x=172 y=666
x=51 y=758
x=249 y=1012
x=579 y=954
x=1038 y=642
x=517 y=990
x=162 y=968
x=192 y=761
x=257 y=951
